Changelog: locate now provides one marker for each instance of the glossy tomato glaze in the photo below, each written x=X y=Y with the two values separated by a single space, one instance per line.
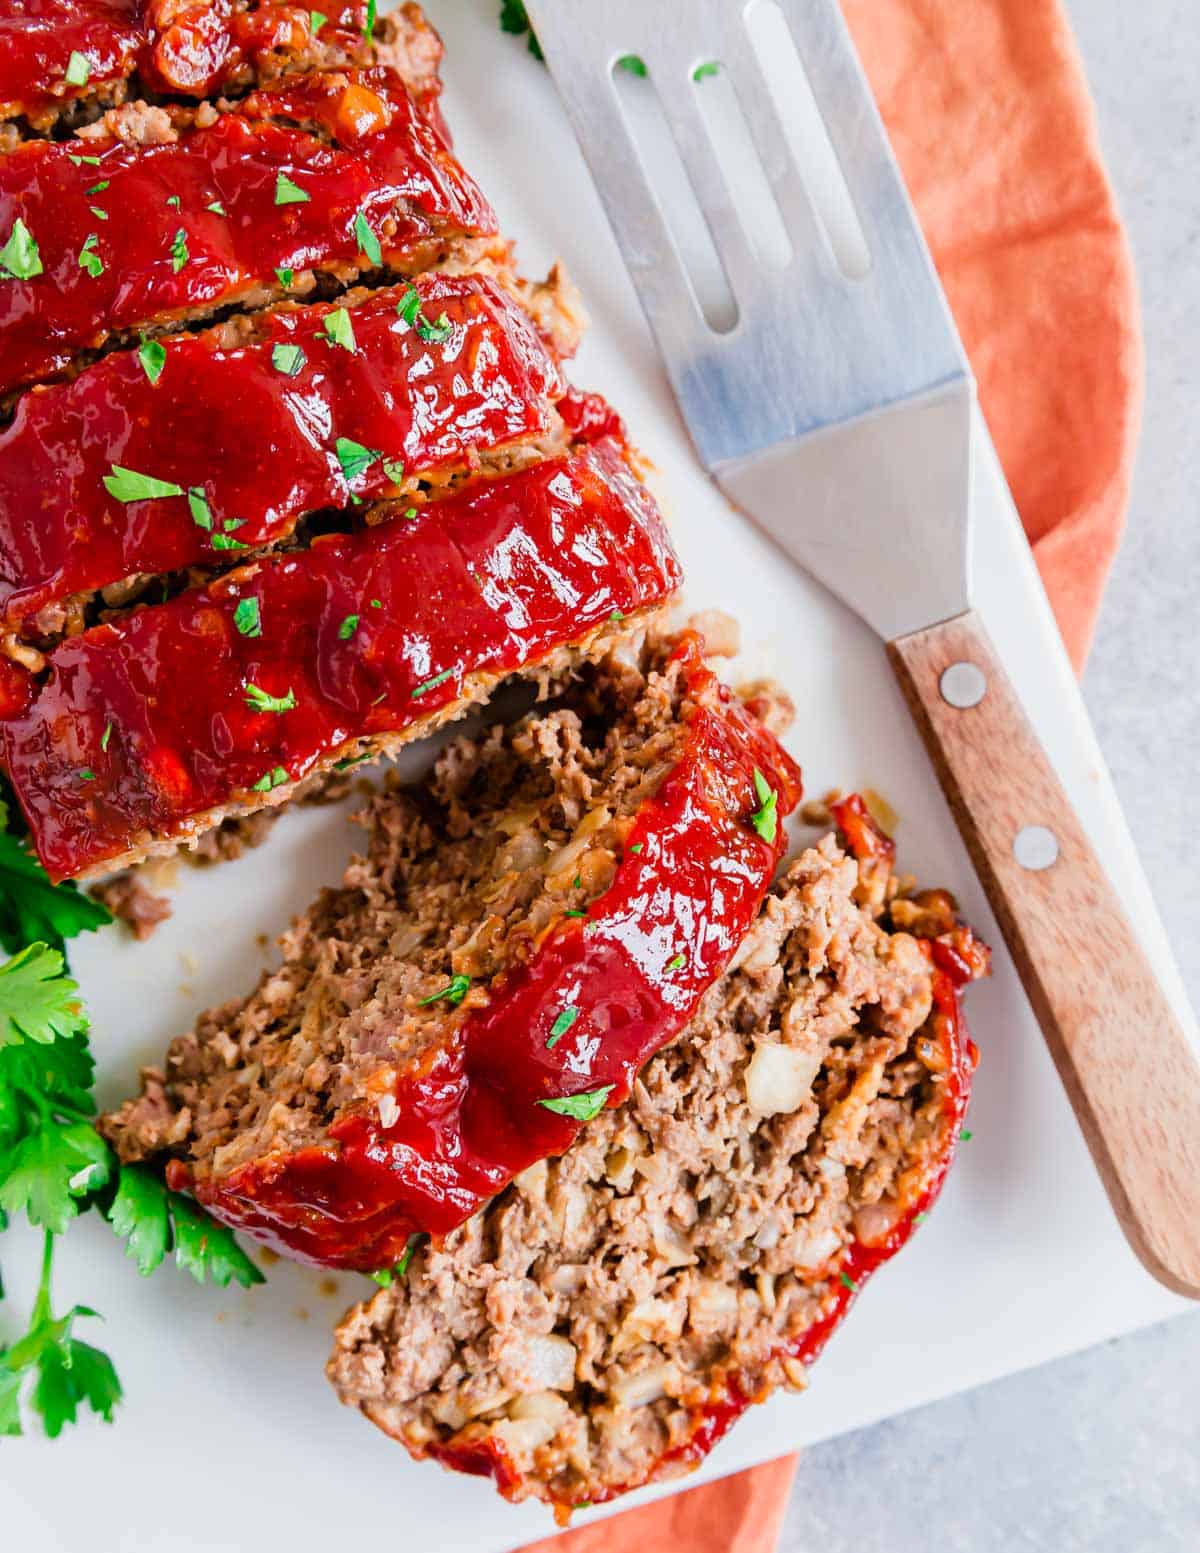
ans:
x=957 y=959
x=259 y=444
x=693 y=875
x=183 y=50
x=142 y=725
x=166 y=253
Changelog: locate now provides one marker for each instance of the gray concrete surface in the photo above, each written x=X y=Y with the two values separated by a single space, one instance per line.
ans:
x=1099 y=1453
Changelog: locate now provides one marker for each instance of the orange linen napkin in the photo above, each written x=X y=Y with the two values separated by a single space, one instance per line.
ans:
x=989 y=114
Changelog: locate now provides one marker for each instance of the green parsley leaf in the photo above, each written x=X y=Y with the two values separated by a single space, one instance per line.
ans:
x=966 y=1135
x=247 y=617
x=32 y=909
x=153 y=356
x=393 y=468
x=367 y=241
x=98 y=188
x=339 y=329
x=383 y=1277
x=38 y=1001
x=106 y=735
x=636 y=847
x=81 y=161
x=409 y=512
x=79 y=67
x=617 y=616
x=848 y=1282
x=431 y=684
x=677 y=964
x=289 y=193
x=454 y=992
x=126 y=485
x=179 y=250
x=347 y=628
x=316 y=20
x=69 y=1374
x=86 y=774
x=198 y=507
x=402 y=1264
x=217 y=208
x=515 y=19
x=269 y=780
x=369 y=24
x=288 y=359
x=100 y=215
x=920 y=1218
x=703 y=72
x=561 y=1025
x=139 y=1217
x=634 y=63
x=581 y=1107
x=173 y=201
x=286 y=276
x=262 y=701
x=354 y=458
x=409 y=309
x=376 y=603
x=49 y=1169
x=89 y=259
x=224 y=542
x=204 y=1248
x=765 y=818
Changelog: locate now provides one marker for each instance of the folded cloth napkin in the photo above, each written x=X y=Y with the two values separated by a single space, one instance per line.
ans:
x=988 y=111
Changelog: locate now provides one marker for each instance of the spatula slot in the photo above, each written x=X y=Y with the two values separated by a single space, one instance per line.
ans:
x=664 y=171
x=804 y=127
x=745 y=177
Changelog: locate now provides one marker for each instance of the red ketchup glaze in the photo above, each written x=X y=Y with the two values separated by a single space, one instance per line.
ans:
x=258 y=443
x=143 y=724
x=386 y=162
x=185 y=51
x=470 y=1120
x=957 y=958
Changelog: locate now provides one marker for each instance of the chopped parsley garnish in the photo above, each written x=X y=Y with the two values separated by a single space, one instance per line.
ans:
x=369 y=24
x=79 y=67
x=84 y=161
x=515 y=19
x=393 y=468
x=574 y=912
x=367 y=241
x=286 y=276
x=126 y=485
x=262 y=701
x=87 y=774
x=354 y=458
x=966 y=1135
x=288 y=359
x=765 y=818
x=98 y=188
x=677 y=964
x=269 y=779
x=561 y=1025
x=89 y=259
x=339 y=329
x=224 y=542
x=634 y=63
x=247 y=617
x=347 y=628
x=581 y=1107
x=19 y=258
x=100 y=215
x=432 y=684
x=920 y=1218
x=179 y=250
x=198 y=507
x=636 y=847
x=376 y=603
x=453 y=992
x=409 y=309
x=316 y=20
x=106 y=735
x=848 y=1282
x=217 y=208
x=617 y=616
x=289 y=193
x=410 y=512
x=386 y=1276
x=153 y=356
x=173 y=201
x=709 y=68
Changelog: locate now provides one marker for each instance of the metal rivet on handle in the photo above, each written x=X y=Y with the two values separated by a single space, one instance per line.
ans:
x=1035 y=847
x=963 y=685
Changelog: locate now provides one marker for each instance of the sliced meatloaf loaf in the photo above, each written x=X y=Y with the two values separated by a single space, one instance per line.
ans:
x=210 y=447
x=325 y=177
x=64 y=61
x=148 y=729
x=527 y=928
x=602 y=1322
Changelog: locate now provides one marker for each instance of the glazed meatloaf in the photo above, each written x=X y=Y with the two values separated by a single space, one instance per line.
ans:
x=528 y=927
x=602 y=1322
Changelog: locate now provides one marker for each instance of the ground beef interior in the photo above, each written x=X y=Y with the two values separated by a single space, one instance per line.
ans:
x=597 y=1325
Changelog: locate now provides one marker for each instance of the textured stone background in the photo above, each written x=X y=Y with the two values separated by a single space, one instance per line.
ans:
x=1099 y=1453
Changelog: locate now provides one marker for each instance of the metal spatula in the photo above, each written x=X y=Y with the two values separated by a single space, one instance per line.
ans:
x=837 y=413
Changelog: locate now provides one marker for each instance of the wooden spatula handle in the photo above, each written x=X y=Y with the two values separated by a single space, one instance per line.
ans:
x=1123 y=1056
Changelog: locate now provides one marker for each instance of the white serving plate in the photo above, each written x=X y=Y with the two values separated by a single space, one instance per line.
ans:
x=229 y=1436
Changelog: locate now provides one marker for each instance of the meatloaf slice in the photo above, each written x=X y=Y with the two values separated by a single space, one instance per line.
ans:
x=64 y=61
x=149 y=729
x=331 y=175
x=135 y=467
x=602 y=1323
x=527 y=928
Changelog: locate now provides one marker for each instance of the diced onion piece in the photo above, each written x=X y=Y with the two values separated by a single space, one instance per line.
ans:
x=643 y=1388
x=779 y=1078
x=550 y=1362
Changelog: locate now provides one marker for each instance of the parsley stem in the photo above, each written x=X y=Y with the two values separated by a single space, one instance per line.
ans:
x=41 y=1305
